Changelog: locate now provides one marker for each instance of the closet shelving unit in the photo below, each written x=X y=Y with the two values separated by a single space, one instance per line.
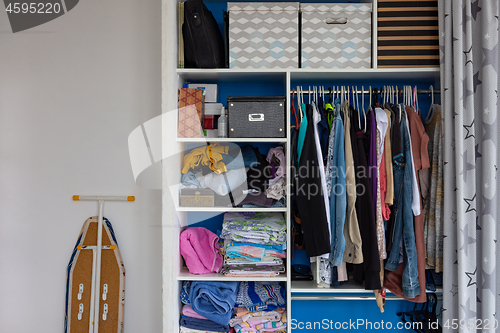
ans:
x=174 y=217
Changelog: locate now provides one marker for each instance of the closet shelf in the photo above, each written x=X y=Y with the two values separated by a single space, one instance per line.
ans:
x=249 y=140
x=231 y=209
x=184 y=275
x=350 y=287
x=273 y=75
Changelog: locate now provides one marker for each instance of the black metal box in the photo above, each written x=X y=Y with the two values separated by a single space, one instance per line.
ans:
x=256 y=117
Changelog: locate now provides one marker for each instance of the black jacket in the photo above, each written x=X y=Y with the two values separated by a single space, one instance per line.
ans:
x=309 y=196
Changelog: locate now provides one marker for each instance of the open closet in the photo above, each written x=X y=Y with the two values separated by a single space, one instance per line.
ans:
x=361 y=88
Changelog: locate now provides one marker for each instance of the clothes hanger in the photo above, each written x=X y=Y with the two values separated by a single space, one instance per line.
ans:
x=294 y=112
x=431 y=108
x=357 y=107
x=299 y=111
x=417 y=109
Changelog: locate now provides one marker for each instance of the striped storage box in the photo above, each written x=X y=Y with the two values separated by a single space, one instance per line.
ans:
x=336 y=35
x=408 y=34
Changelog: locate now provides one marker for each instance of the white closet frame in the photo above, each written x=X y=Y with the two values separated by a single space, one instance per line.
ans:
x=172 y=218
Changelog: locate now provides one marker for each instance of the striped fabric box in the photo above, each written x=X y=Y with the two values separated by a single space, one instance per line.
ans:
x=336 y=35
x=408 y=34
x=263 y=34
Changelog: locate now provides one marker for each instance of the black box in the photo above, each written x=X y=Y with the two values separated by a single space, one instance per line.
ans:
x=256 y=117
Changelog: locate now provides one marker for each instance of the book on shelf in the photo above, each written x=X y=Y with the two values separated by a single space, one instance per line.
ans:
x=180 y=46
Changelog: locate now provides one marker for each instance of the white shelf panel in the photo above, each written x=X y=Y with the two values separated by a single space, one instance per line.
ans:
x=278 y=75
x=232 y=75
x=310 y=287
x=184 y=275
x=249 y=140
x=230 y=209
x=366 y=74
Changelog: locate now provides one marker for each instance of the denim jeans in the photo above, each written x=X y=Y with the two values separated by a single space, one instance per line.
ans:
x=403 y=225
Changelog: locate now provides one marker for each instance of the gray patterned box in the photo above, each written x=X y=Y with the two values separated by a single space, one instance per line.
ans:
x=336 y=35
x=263 y=35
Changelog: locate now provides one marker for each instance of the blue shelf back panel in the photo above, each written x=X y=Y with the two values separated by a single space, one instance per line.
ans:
x=349 y=316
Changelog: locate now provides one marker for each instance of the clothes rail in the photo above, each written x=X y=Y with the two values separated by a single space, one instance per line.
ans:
x=374 y=91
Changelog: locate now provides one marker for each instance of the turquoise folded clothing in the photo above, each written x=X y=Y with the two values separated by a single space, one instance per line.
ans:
x=214 y=300
x=257 y=296
x=203 y=324
x=248 y=252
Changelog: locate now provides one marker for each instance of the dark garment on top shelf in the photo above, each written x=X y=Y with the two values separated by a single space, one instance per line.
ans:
x=310 y=197
x=369 y=270
x=259 y=199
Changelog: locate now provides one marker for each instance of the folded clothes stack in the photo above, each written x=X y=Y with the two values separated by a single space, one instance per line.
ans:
x=259 y=308
x=254 y=244
x=208 y=305
x=253 y=179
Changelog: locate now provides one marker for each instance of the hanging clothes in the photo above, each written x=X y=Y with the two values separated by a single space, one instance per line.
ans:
x=382 y=125
x=302 y=130
x=406 y=284
x=433 y=207
x=353 y=243
x=311 y=207
x=397 y=154
x=338 y=199
x=368 y=271
x=316 y=121
x=389 y=195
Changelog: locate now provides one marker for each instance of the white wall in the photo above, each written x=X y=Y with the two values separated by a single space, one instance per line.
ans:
x=71 y=91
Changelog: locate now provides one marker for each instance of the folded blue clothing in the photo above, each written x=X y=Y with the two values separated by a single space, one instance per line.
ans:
x=203 y=324
x=186 y=285
x=264 y=246
x=214 y=300
x=190 y=179
x=258 y=296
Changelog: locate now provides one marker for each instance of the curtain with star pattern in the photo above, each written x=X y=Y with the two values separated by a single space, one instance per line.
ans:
x=469 y=83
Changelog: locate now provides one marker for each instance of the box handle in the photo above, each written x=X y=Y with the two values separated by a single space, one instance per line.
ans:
x=340 y=20
x=256 y=117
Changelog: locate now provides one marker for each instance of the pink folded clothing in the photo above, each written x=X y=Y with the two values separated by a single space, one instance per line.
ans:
x=187 y=310
x=200 y=249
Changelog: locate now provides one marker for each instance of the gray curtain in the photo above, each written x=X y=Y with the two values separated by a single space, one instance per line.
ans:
x=469 y=89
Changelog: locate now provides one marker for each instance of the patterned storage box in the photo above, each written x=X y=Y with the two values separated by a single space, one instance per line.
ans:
x=411 y=42
x=263 y=35
x=336 y=35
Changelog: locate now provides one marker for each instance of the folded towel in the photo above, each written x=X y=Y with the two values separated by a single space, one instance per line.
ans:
x=214 y=300
x=203 y=324
x=192 y=330
x=255 y=318
x=200 y=249
x=186 y=286
x=188 y=311
x=256 y=296
x=252 y=253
